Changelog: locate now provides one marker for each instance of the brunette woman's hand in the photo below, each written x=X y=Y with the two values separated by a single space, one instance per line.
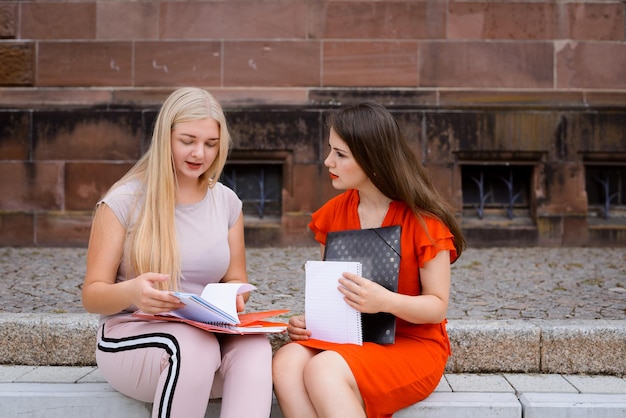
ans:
x=363 y=294
x=148 y=298
x=297 y=329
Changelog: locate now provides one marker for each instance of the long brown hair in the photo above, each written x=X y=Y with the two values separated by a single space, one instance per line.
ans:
x=383 y=153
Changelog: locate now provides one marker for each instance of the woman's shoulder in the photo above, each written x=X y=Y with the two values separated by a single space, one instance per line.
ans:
x=123 y=191
x=123 y=199
x=224 y=192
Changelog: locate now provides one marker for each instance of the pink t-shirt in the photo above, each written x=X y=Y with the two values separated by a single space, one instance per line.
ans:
x=201 y=230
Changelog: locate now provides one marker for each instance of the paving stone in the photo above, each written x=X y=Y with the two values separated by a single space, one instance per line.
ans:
x=71 y=400
x=95 y=376
x=573 y=405
x=55 y=374
x=12 y=373
x=539 y=383
x=443 y=385
x=463 y=382
x=464 y=405
x=598 y=384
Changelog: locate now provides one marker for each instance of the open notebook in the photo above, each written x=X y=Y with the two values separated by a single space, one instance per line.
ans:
x=215 y=310
x=378 y=251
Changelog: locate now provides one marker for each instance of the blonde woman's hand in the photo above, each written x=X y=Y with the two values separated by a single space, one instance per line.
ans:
x=151 y=300
x=241 y=303
x=296 y=329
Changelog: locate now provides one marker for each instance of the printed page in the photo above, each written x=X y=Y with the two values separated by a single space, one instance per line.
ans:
x=327 y=315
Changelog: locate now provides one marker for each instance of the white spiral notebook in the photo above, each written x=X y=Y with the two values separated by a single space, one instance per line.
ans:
x=328 y=316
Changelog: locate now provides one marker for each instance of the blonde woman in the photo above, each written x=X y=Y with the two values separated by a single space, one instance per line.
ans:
x=167 y=225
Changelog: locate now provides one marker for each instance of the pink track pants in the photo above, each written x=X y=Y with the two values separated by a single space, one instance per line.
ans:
x=178 y=368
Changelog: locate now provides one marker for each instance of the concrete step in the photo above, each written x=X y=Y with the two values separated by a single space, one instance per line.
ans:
x=503 y=346
x=69 y=392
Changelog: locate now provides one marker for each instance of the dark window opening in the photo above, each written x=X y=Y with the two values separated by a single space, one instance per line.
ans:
x=258 y=185
x=606 y=191
x=496 y=190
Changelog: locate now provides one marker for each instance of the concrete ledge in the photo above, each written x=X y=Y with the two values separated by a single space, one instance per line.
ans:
x=489 y=346
x=48 y=339
x=95 y=400
x=556 y=346
x=68 y=392
x=68 y=400
x=560 y=346
x=58 y=400
x=588 y=347
x=572 y=405
x=464 y=405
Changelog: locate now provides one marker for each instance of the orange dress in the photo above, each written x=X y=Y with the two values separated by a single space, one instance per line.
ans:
x=392 y=377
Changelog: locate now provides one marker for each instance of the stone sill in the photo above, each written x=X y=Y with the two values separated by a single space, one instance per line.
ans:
x=47 y=97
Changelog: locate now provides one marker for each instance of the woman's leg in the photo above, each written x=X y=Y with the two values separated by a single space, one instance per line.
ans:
x=331 y=386
x=288 y=368
x=247 y=375
x=169 y=364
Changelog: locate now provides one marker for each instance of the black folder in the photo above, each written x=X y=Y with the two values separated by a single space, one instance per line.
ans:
x=378 y=250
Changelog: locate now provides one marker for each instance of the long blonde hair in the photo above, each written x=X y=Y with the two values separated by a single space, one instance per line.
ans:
x=381 y=150
x=151 y=244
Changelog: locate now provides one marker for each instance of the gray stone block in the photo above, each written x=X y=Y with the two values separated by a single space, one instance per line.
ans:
x=591 y=347
x=48 y=339
x=488 y=346
x=502 y=346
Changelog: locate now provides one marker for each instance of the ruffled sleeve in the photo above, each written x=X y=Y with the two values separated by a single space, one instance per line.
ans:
x=337 y=214
x=320 y=224
x=437 y=238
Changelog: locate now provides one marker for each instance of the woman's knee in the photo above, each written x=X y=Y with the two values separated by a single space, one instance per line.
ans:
x=290 y=361
x=285 y=356
x=328 y=367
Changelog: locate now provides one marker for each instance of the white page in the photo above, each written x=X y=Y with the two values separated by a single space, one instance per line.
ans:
x=216 y=304
x=328 y=316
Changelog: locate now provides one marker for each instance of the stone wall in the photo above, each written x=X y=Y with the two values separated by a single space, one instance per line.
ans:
x=535 y=85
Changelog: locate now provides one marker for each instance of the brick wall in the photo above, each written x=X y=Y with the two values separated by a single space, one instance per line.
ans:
x=538 y=83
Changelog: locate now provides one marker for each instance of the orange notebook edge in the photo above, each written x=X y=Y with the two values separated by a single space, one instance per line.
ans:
x=250 y=317
x=251 y=320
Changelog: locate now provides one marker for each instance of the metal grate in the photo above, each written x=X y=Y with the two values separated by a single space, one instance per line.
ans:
x=501 y=190
x=258 y=185
x=606 y=190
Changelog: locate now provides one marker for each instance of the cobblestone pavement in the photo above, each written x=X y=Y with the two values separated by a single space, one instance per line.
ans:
x=487 y=283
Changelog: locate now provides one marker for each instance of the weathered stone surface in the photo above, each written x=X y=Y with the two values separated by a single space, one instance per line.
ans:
x=486 y=346
x=592 y=347
x=17 y=64
x=8 y=18
x=60 y=339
